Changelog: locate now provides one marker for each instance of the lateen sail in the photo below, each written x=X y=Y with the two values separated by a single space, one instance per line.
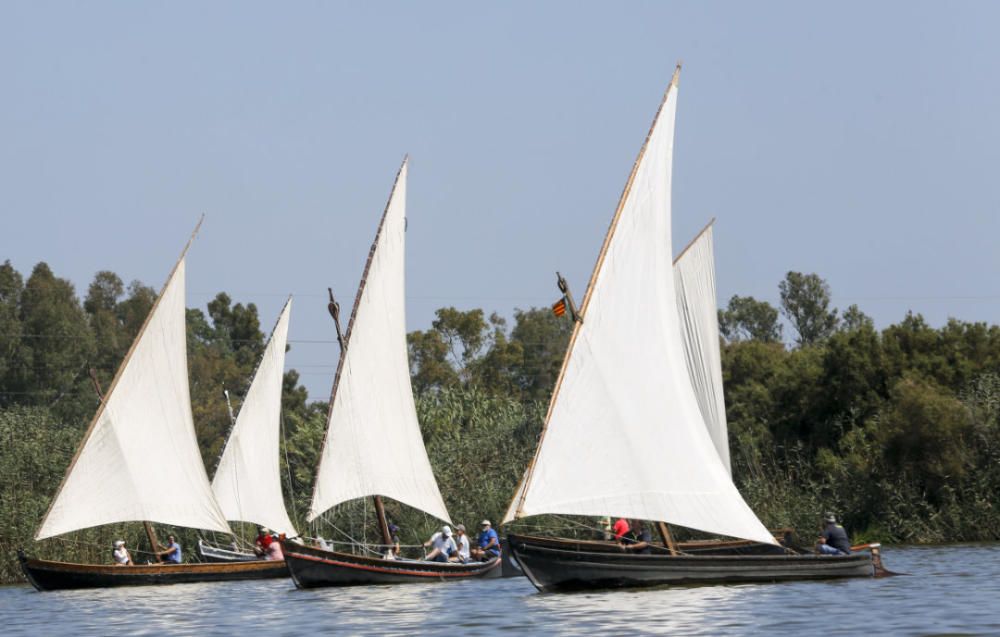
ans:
x=140 y=458
x=373 y=444
x=624 y=434
x=694 y=280
x=247 y=483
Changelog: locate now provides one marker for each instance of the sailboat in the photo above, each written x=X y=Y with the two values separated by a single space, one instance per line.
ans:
x=139 y=461
x=625 y=433
x=247 y=483
x=373 y=446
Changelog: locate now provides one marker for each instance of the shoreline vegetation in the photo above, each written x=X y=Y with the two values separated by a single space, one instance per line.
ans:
x=897 y=430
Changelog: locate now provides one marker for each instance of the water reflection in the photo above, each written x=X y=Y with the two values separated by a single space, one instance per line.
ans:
x=949 y=590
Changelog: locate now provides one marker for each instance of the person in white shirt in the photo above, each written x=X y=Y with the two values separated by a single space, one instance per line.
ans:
x=462 y=541
x=443 y=545
x=121 y=554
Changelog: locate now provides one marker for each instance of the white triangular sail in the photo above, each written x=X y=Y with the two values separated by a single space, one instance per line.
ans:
x=694 y=281
x=624 y=434
x=373 y=444
x=139 y=459
x=247 y=484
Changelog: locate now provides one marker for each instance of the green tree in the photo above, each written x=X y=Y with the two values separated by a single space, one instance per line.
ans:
x=11 y=286
x=855 y=319
x=543 y=338
x=133 y=310
x=429 y=366
x=465 y=334
x=746 y=318
x=53 y=368
x=924 y=435
x=111 y=341
x=237 y=329
x=805 y=302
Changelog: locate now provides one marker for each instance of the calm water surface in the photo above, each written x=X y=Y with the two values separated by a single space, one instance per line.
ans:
x=950 y=590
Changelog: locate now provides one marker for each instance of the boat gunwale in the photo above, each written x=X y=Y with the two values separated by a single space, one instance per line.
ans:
x=340 y=559
x=623 y=556
x=148 y=569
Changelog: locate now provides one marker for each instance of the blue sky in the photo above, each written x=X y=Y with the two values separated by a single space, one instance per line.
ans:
x=859 y=141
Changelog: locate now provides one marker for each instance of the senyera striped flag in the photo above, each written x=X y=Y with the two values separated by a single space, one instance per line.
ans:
x=559 y=308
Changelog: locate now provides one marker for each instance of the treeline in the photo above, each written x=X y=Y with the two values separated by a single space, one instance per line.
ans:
x=897 y=430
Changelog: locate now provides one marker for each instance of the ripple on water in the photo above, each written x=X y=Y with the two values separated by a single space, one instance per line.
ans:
x=949 y=590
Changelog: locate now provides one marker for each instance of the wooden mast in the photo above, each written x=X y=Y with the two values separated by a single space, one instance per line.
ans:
x=345 y=338
x=118 y=375
x=383 y=525
x=522 y=491
x=668 y=539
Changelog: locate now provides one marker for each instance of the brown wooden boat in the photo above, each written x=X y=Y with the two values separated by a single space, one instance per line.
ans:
x=312 y=567
x=153 y=374
x=46 y=575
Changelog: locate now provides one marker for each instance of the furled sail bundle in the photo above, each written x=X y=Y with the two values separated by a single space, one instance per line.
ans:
x=139 y=459
x=373 y=443
x=247 y=484
x=694 y=280
x=624 y=434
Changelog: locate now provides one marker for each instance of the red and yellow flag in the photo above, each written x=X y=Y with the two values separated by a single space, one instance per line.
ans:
x=560 y=307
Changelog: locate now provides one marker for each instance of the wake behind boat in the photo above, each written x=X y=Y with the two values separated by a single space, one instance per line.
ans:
x=636 y=423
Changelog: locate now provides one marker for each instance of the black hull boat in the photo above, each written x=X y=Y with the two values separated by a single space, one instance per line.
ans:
x=46 y=575
x=567 y=565
x=508 y=563
x=313 y=567
x=511 y=568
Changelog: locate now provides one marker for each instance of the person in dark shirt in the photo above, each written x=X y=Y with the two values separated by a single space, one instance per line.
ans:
x=638 y=539
x=833 y=540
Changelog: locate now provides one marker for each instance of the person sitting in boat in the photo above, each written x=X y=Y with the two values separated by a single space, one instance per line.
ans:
x=833 y=540
x=620 y=529
x=121 y=554
x=488 y=543
x=171 y=554
x=392 y=552
x=603 y=531
x=462 y=541
x=638 y=539
x=273 y=551
x=263 y=541
x=444 y=545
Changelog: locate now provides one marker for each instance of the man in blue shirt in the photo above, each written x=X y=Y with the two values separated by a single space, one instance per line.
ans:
x=489 y=543
x=172 y=554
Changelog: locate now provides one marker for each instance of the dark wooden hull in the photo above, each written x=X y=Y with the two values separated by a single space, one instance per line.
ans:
x=566 y=565
x=511 y=567
x=508 y=563
x=46 y=575
x=313 y=567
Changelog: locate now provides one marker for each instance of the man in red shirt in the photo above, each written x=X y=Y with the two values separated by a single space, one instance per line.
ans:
x=264 y=540
x=620 y=528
